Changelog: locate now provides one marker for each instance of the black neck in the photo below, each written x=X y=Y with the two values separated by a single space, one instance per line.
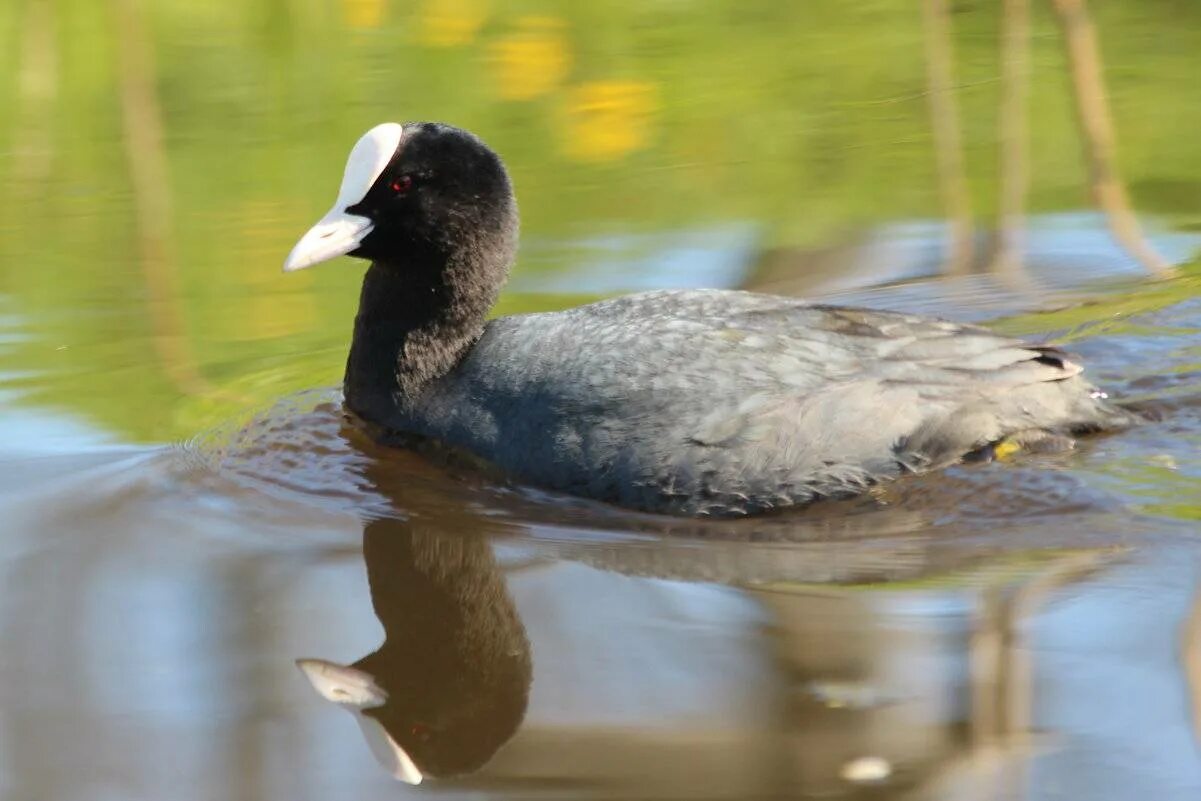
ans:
x=413 y=326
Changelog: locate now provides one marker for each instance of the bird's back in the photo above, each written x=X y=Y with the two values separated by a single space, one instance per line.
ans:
x=723 y=402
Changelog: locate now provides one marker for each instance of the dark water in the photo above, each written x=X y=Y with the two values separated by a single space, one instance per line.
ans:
x=184 y=512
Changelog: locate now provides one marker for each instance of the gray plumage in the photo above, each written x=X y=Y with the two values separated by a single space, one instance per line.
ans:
x=722 y=402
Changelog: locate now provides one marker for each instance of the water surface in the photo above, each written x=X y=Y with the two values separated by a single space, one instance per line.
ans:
x=186 y=512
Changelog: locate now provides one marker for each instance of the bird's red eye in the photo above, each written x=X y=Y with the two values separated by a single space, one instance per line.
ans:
x=402 y=184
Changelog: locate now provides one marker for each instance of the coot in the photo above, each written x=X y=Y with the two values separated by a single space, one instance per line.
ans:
x=695 y=402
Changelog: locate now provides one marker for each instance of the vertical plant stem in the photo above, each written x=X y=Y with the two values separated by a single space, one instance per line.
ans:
x=1190 y=656
x=37 y=90
x=142 y=132
x=948 y=141
x=1096 y=129
x=1014 y=176
x=986 y=652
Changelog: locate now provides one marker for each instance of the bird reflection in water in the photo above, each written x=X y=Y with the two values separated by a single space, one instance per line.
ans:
x=686 y=667
x=450 y=683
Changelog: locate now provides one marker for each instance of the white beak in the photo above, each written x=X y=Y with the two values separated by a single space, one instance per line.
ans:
x=335 y=234
x=356 y=690
x=338 y=233
x=343 y=684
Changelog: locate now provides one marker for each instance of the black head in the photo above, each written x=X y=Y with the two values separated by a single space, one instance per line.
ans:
x=418 y=196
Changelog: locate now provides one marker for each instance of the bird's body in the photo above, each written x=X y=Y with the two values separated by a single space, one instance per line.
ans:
x=700 y=402
x=723 y=402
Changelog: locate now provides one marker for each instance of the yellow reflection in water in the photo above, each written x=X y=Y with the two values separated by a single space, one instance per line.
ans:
x=606 y=120
x=450 y=23
x=363 y=13
x=533 y=61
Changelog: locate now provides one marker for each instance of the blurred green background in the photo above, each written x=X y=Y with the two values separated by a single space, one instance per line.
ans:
x=159 y=159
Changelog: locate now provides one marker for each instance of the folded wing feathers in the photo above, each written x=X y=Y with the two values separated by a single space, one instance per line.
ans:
x=984 y=359
x=939 y=351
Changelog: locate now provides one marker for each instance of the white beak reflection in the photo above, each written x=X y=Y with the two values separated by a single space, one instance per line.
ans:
x=355 y=691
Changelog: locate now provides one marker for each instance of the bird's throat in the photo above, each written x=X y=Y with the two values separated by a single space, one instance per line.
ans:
x=411 y=329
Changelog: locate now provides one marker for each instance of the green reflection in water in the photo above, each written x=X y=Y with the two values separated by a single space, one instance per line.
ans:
x=806 y=119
